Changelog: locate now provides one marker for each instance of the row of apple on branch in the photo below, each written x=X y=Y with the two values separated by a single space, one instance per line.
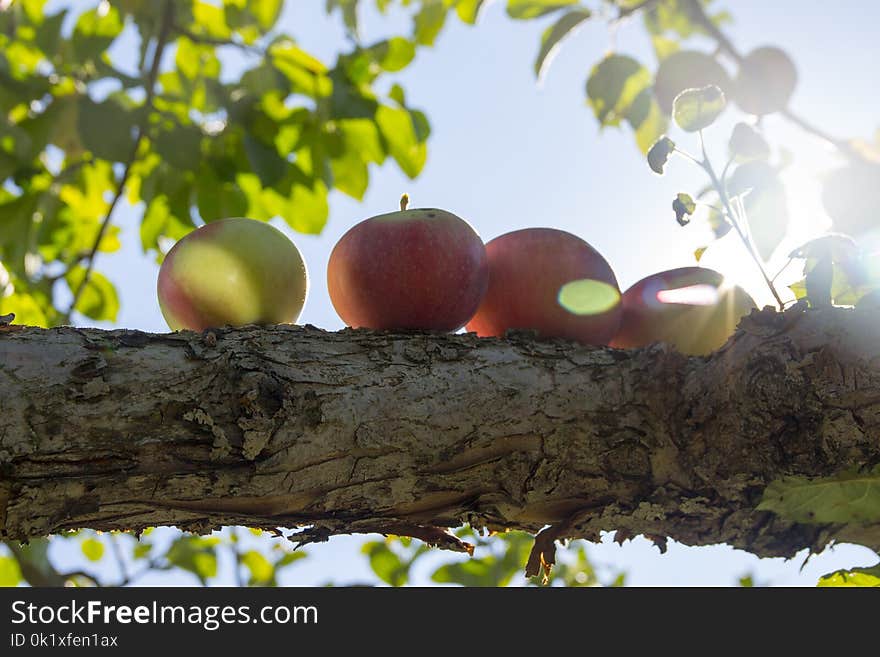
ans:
x=427 y=269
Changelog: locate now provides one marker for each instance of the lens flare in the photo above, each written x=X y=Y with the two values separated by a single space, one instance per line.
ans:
x=692 y=295
x=588 y=297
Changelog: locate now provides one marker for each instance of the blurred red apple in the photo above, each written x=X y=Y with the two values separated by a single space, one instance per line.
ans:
x=232 y=272
x=413 y=269
x=689 y=308
x=528 y=271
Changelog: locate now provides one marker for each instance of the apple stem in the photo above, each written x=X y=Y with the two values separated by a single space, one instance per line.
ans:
x=404 y=202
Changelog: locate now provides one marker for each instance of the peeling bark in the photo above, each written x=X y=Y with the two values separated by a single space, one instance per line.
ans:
x=359 y=431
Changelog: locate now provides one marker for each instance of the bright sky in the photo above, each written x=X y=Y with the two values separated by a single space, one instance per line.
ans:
x=506 y=154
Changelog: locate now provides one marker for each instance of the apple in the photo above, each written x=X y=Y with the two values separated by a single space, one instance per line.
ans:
x=232 y=272
x=766 y=81
x=687 y=69
x=528 y=270
x=689 y=308
x=413 y=269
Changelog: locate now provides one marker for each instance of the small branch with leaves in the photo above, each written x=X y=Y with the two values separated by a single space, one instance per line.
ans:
x=150 y=86
x=693 y=111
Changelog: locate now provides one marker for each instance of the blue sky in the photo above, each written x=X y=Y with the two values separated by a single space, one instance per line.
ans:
x=507 y=154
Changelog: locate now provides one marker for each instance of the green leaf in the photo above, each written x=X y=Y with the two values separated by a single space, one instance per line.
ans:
x=696 y=109
x=398 y=95
x=10 y=573
x=262 y=571
x=350 y=101
x=554 y=35
x=98 y=299
x=670 y=16
x=92 y=549
x=848 y=497
x=588 y=297
x=306 y=74
x=195 y=60
x=683 y=206
x=349 y=13
x=265 y=12
x=429 y=21
x=647 y=119
x=159 y=221
x=659 y=154
x=219 y=200
x=613 y=86
x=469 y=10
x=27 y=309
x=142 y=550
x=398 y=131
x=525 y=9
x=350 y=174
x=386 y=564
x=862 y=577
x=95 y=30
x=264 y=160
x=799 y=289
x=195 y=554
x=105 y=129
x=836 y=247
x=180 y=146
x=686 y=69
x=472 y=573
x=289 y=558
x=393 y=55
x=48 y=35
x=308 y=209
x=355 y=143
x=746 y=144
x=209 y=20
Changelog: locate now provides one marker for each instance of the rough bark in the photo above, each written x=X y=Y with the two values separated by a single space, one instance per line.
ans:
x=360 y=431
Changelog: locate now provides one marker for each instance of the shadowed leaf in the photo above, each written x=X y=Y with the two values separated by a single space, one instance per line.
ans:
x=849 y=497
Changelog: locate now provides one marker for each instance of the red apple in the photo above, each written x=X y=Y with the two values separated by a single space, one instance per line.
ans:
x=689 y=308
x=232 y=272
x=413 y=269
x=527 y=272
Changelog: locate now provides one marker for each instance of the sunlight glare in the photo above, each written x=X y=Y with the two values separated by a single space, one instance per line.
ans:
x=692 y=295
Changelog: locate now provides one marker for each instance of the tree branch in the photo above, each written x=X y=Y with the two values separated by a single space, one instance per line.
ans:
x=624 y=12
x=161 y=41
x=697 y=13
x=359 y=431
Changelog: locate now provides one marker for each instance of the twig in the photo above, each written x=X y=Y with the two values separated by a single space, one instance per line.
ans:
x=239 y=578
x=161 y=41
x=725 y=201
x=629 y=11
x=698 y=14
x=842 y=145
x=124 y=574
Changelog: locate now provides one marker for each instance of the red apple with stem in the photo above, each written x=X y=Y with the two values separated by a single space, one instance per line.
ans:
x=413 y=269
